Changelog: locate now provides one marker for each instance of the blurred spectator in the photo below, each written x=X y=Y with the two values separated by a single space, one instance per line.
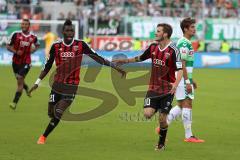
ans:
x=3 y=6
x=202 y=46
x=88 y=40
x=174 y=8
x=49 y=38
x=195 y=45
x=225 y=47
x=71 y=16
x=137 y=45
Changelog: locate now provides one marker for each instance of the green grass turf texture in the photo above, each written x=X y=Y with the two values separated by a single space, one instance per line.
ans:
x=215 y=119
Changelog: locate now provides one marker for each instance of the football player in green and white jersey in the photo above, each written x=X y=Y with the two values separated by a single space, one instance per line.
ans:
x=185 y=89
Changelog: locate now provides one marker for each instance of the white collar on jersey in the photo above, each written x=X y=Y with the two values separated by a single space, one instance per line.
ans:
x=68 y=44
x=165 y=47
x=26 y=35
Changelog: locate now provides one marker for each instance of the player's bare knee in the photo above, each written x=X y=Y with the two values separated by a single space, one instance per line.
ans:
x=149 y=112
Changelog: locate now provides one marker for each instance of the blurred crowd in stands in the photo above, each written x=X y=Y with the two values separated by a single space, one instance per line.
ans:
x=115 y=8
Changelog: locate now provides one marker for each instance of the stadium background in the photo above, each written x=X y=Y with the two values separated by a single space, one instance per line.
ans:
x=117 y=25
x=120 y=26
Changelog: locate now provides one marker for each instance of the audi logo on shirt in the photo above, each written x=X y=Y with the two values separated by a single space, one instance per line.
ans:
x=24 y=43
x=159 y=62
x=67 y=54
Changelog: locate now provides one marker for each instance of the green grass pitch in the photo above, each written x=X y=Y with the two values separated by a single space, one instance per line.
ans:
x=215 y=119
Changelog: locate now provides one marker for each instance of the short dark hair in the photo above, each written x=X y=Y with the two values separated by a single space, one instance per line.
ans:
x=166 y=28
x=186 y=23
x=26 y=20
x=67 y=22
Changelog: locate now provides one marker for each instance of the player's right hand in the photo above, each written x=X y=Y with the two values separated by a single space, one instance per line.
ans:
x=34 y=87
x=189 y=88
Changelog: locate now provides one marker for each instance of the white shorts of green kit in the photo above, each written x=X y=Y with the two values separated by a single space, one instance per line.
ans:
x=181 y=93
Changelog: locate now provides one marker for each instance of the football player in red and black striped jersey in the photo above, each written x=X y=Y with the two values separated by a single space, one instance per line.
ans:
x=67 y=54
x=165 y=62
x=22 y=44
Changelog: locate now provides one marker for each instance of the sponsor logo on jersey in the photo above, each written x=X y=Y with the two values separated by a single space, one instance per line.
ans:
x=158 y=62
x=24 y=44
x=67 y=54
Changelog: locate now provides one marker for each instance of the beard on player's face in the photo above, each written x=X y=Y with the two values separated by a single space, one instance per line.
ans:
x=159 y=38
x=25 y=28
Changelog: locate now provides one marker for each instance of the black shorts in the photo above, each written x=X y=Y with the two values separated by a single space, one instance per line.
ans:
x=162 y=103
x=21 y=69
x=54 y=98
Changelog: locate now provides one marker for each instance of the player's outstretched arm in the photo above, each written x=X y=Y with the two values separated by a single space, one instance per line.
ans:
x=36 y=84
x=125 y=61
x=44 y=72
x=144 y=56
x=103 y=61
x=91 y=53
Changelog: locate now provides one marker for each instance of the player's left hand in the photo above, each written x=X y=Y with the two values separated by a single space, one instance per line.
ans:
x=174 y=87
x=34 y=87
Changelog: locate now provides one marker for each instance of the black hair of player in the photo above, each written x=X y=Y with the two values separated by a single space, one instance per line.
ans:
x=26 y=20
x=67 y=22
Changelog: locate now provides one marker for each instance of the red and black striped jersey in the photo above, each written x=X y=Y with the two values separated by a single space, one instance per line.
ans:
x=68 y=59
x=165 y=62
x=22 y=42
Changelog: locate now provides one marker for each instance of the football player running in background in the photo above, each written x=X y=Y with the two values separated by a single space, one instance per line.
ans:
x=21 y=45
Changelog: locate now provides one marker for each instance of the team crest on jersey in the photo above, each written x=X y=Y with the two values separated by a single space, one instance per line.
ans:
x=21 y=37
x=75 y=48
x=167 y=55
x=184 y=44
x=30 y=39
